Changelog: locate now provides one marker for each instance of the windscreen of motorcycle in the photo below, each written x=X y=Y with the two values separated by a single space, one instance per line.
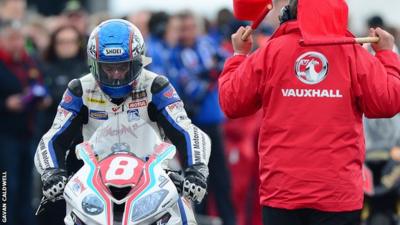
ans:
x=120 y=133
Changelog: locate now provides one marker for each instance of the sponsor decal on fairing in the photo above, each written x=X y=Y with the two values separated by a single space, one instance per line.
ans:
x=163 y=181
x=77 y=186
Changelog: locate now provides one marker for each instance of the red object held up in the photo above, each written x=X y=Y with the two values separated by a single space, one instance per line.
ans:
x=249 y=9
x=253 y=10
x=316 y=29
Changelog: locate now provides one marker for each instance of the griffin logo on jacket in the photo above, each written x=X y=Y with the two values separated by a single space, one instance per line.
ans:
x=311 y=67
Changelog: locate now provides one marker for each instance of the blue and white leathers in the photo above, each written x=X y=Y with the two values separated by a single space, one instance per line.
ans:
x=163 y=110
x=84 y=114
x=118 y=83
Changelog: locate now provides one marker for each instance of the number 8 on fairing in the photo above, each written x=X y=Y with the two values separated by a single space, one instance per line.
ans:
x=121 y=168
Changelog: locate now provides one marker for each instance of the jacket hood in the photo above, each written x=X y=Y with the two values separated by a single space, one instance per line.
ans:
x=322 y=19
x=319 y=21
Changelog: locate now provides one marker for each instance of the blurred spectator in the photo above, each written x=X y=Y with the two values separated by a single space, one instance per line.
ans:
x=199 y=62
x=38 y=37
x=220 y=31
x=377 y=21
x=172 y=33
x=47 y=7
x=64 y=59
x=224 y=22
x=164 y=36
x=12 y=10
x=52 y=23
x=382 y=134
x=225 y=25
x=21 y=93
x=141 y=20
x=96 y=18
x=77 y=16
x=240 y=138
x=396 y=34
x=382 y=138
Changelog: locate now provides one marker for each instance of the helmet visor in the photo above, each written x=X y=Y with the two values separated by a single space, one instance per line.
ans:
x=118 y=74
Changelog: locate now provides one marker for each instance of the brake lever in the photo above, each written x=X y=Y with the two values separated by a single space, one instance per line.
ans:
x=44 y=201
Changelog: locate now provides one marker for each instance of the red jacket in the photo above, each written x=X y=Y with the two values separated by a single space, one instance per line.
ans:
x=311 y=143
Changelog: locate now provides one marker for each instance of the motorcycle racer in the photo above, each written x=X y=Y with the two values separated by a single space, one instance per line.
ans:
x=119 y=83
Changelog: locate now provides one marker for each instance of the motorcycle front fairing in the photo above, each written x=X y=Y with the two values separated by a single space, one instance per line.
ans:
x=123 y=180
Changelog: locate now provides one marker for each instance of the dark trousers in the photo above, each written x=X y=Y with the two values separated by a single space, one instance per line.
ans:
x=16 y=165
x=219 y=178
x=275 y=216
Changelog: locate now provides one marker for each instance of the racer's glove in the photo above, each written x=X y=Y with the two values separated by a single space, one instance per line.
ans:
x=54 y=181
x=177 y=179
x=195 y=183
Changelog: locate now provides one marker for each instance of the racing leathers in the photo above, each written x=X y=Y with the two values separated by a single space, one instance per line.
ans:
x=85 y=107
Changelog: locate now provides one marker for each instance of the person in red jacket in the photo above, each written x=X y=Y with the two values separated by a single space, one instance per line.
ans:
x=311 y=143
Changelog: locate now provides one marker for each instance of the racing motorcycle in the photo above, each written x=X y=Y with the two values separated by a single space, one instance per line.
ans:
x=123 y=180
